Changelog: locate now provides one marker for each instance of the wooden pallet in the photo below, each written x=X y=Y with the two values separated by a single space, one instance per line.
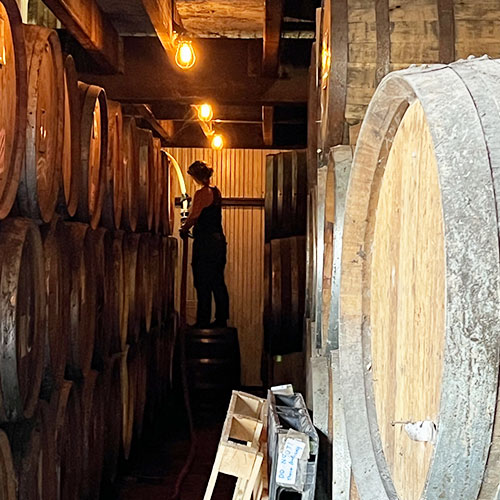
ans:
x=240 y=451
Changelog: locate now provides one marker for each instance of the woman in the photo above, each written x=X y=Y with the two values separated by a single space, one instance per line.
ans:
x=209 y=249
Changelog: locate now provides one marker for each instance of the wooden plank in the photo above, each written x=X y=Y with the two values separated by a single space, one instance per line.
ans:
x=271 y=37
x=446 y=18
x=144 y=112
x=383 y=39
x=221 y=75
x=267 y=124
x=84 y=20
x=161 y=15
x=338 y=75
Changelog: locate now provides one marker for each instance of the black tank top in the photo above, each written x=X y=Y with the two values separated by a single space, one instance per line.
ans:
x=210 y=220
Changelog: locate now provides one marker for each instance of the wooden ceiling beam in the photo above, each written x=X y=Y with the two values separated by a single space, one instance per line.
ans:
x=161 y=14
x=220 y=76
x=145 y=115
x=94 y=32
x=272 y=37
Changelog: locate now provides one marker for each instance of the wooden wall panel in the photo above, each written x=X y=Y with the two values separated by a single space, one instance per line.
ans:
x=238 y=173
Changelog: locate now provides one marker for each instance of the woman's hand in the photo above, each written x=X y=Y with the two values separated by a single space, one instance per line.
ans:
x=184 y=233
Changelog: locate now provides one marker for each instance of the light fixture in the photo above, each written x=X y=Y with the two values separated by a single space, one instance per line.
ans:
x=205 y=112
x=184 y=55
x=217 y=142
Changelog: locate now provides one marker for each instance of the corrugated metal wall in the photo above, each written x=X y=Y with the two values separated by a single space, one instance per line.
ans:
x=238 y=173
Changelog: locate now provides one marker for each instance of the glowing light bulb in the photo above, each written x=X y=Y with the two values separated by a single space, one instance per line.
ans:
x=205 y=112
x=185 y=56
x=217 y=142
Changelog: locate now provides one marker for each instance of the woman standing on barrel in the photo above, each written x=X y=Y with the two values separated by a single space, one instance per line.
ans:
x=209 y=249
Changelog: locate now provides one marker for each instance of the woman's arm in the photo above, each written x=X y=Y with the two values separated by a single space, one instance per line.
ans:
x=202 y=198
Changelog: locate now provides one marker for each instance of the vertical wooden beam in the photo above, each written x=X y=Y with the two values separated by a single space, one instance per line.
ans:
x=267 y=125
x=446 y=17
x=382 y=24
x=271 y=37
x=94 y=32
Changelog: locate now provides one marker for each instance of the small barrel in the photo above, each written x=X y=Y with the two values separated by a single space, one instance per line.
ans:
x=7 y=471
x=82 y=298
x=113 y=200
x=93 y=152
x=13 y=104
x=71 y=169
x=146 y=179
x=58 y=308
x=419 y=295
x=213 y=363
x=23 y=318
x=41 y=175
x=131 y=173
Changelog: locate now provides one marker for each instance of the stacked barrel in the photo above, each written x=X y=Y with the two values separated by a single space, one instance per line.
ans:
x=284 y=257
x=87 y=322
x=402 y=296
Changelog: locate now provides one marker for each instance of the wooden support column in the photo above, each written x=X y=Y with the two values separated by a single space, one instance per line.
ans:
x=446 y=16
x=271 y=37
x=94 y=32
x=267 y=124
x=383 y=39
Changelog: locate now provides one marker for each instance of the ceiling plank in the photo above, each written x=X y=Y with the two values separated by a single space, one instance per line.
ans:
x=272 y=37
x=144 y=113
x=267 y=125
x=94 y=32
x=220 y=76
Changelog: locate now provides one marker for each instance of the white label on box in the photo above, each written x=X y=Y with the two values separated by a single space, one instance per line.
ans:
x=288 y=460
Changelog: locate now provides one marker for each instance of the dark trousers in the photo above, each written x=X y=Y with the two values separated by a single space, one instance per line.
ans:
x=209 y=261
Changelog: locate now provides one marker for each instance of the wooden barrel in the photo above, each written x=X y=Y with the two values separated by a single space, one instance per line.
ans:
x=114 y=190
x=71 y=169
x=419 y=300
x=363 y=41
x=93 y=152
x=141 y=388
x=144 y=295
x=82 y=299
x=114 y=284
x=287 y=295
x=48 y=481
x=41 y=174
x=128 y=386
x=113 y=417
x=58 y=308
x=93 y=434
x=165 y=195
x=146 y=183
x=213 y=362
x=131 y=305
x=13 y=105
x=131 y=173
x=70 y=442
x=7 y=472
x=154 y=259
x=99 y=243
x=157 y=184
x=286 y=195
x=23 y=316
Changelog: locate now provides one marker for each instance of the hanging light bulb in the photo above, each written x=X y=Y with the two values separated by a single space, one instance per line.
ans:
x=205 y=112
x=217 y=142
x=185 y=56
